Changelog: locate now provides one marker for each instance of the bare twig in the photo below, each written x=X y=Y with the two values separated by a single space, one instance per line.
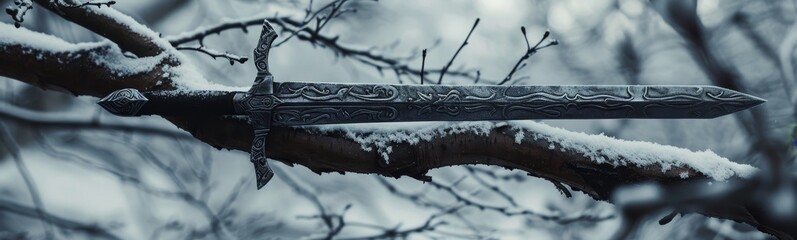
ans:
x=93 y=230
x=423 y=65
x=529 y=52
x=448 y=65
x=299 y=30
x=492 y=188
x=11 y=146
x=51 y=120
x=216 y=54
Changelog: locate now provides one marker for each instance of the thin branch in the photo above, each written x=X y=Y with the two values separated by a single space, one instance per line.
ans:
x=529 y=52
x=218 y=227
x=507 y=211
x=448 y=65
x=299 y=30
x=18 y=11
x=430 y=224
x=93 y=230
x=216 y=54
x=98 y=4
x=492 y=188
x=423 y=65
x=53 y=120
x=128 y=34
x=11 y=146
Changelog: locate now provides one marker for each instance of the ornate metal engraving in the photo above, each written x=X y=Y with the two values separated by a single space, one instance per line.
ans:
x=441 y=102
x=258 y=103
x=305 y=115
x=270 y=103
x=375 y=93
x=124 y=102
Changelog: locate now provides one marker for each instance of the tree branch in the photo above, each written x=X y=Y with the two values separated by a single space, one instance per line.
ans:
x=537 y=153
x=89 y=229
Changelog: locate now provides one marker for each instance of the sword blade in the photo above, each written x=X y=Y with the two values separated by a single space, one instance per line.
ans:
x=329 y=103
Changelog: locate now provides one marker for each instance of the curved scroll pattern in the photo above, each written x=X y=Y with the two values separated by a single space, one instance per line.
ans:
x=453 y=102
x=375 y=93
x=267 y=36
x=258 y=157
x=727 y=102
x=556 y=105
x=124 y=102
x=258 y=102
x=675 y=101
x=330 y=114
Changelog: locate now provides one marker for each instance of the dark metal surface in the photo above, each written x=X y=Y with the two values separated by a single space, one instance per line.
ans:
x=257 y=103
x=298 y=103
x=325 y=103
x=123 y=102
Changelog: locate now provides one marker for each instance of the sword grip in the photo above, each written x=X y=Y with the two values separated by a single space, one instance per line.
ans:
x=188 y=103
x=131 y=102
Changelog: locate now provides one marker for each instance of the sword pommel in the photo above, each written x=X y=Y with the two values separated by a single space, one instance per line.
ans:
x=131 y=102
x=124 y=102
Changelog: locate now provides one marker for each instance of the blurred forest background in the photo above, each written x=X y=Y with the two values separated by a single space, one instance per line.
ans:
x=111 y=184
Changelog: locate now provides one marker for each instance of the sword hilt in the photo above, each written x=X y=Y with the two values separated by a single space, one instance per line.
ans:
x=131 y=102
x=257 y=103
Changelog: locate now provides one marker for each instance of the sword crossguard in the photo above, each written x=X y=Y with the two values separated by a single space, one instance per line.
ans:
x=252 y=101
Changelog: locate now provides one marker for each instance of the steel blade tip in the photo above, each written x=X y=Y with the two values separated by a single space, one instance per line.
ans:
x=724 y=101
x=123 y=102
x=757 y=100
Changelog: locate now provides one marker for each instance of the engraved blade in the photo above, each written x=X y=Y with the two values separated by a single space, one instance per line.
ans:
x=329 y=103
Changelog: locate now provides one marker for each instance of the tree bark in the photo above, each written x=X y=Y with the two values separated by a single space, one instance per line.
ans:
x=76 y=73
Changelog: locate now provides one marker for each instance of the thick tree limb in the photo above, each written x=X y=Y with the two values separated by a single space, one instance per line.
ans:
x=76 y=72
x=113 y=27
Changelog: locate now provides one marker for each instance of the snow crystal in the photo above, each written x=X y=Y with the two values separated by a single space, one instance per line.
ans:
x=598 y=148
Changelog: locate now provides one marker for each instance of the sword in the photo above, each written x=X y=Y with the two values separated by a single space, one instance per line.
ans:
x=270 y=103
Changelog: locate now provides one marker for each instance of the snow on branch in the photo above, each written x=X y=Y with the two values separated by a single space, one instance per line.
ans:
x=598 y=148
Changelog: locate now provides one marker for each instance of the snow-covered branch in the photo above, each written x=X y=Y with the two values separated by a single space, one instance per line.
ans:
x=594 y=164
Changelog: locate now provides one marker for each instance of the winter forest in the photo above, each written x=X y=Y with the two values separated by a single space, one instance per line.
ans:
x=69 y=169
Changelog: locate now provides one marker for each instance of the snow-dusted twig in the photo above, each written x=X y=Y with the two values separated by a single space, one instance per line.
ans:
x=63 y=4
x=18 y=11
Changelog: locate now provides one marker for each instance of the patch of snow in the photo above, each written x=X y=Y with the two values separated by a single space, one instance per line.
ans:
x=598 y=148
x=184 y=76
x=45 y=42
x=618 y=152
x=519 y=136
x=381 y=136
